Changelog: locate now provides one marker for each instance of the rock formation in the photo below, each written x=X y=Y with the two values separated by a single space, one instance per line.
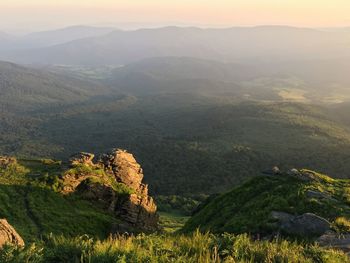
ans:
x=8 y=235
x=136 y=208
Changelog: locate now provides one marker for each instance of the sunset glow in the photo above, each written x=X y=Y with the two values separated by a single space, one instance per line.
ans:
x=311 y=13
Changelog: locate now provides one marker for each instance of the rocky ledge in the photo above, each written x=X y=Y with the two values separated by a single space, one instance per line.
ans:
x=135 y=207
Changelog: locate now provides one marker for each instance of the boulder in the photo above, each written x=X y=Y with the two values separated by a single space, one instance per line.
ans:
x=8 y=235
x=82 y=158
x=306 y=225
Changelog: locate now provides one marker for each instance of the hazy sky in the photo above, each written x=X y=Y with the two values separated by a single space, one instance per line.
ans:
x=32 y=15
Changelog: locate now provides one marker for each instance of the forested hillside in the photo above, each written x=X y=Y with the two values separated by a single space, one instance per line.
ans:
x=183 y=140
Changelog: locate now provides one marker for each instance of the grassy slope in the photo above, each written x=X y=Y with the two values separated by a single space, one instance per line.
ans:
x=247 y=208
x=29 y=203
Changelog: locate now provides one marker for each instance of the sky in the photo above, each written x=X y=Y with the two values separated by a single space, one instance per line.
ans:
x=33 y=15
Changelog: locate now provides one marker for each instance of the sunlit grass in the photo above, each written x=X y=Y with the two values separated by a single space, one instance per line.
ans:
x=196 y=247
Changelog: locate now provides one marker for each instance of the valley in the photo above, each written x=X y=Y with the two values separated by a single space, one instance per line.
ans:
x=156 y=145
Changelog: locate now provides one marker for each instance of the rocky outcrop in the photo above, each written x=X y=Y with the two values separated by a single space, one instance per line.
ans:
x=136 y=208
x=305 y=225
x=8 y=235
x=6 y=161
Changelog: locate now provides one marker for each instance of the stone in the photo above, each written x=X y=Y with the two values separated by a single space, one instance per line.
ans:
x=332 y=240
x=8 y=235
x=305 y=225
x=82 y=158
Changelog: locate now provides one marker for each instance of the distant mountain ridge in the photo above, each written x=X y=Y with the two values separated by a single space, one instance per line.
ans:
x=50 y=37
x=254 y=44
x=63 y=35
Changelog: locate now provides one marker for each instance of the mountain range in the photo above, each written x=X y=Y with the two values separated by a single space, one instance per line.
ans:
x=252 y=44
